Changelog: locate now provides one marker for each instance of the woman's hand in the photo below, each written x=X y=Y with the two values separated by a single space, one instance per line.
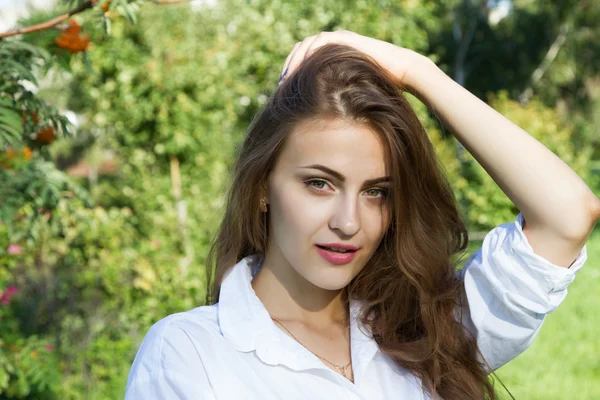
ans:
x=398 y=60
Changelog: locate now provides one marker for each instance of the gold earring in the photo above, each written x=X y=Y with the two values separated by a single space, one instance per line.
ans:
x=263 y=204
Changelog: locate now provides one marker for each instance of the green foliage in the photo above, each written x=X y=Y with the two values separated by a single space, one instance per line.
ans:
x=18 y=103
x=28 y=363
x=14 y=59
x=102 y=286
x=37 y=185
x=507 y=55
x=28 y=369
x=97 y=261
x=29 y=190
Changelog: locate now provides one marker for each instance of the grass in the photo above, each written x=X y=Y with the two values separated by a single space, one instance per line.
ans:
x=564 y=360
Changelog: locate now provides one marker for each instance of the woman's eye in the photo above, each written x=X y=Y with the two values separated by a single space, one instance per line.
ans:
x=377 y=192
x=316 y=183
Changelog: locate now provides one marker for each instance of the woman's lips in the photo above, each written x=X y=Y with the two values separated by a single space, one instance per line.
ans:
x=335 y=257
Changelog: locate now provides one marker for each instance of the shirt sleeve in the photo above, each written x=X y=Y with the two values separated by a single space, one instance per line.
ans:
x=509 y=291
x=165 y=367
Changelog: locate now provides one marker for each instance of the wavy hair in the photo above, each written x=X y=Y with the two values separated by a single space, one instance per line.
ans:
x=409 y=287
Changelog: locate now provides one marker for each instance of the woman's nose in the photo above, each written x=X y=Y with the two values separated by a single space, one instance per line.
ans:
x=346 y=217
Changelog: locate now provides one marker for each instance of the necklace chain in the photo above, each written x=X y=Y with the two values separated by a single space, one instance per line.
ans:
x=337 y=366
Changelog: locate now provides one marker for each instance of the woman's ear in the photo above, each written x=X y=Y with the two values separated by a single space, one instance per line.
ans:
x=264 y=192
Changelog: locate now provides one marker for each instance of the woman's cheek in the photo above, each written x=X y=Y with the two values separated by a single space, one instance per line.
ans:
x=295 y=207
x=307 y=208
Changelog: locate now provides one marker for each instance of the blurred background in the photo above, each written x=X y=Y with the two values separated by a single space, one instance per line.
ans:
x=119 y=122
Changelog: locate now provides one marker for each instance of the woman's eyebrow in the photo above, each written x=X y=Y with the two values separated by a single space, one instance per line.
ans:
x=342 y=178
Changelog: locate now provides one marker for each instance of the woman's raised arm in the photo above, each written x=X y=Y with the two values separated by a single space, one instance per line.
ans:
x=559 y=209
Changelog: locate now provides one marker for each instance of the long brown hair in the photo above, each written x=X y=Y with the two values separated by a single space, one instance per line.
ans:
x=410 y=286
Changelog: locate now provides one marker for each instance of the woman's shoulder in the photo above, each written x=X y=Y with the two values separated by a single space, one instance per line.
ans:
x=198 y=322
x=172 y=353
x=179 y=334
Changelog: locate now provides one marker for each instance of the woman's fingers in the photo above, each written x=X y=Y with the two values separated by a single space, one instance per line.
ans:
x=397 y=60
x=297 y=56
x=304 y=49
x=320 y=40
x=287 y=60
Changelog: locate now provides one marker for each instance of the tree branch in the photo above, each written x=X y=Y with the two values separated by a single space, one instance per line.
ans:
x=559 y=41
x=49 y=24
x=82 y=7
x=543 y=67
x=466 y=39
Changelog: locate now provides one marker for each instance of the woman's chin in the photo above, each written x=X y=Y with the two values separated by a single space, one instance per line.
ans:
x=334 y=278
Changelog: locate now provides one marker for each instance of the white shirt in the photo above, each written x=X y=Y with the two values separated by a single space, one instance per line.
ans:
x=233 y=350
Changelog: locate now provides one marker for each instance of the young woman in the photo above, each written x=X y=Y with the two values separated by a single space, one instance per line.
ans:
x=334 y=262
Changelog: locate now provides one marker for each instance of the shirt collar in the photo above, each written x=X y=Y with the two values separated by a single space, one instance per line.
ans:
x=247 y=325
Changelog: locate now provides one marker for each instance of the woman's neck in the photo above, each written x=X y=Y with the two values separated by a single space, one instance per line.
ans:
x=287 y=296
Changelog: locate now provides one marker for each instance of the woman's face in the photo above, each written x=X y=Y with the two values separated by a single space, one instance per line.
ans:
x=328 y=186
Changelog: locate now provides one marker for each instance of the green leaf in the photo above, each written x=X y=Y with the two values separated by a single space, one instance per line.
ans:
x=11 y=117
x=6 y=102
x=106 y=22
x=64 y=126
x=11 y=122
x=87 y=62
x=129 y=13
x=14 y=47
x=11 y=67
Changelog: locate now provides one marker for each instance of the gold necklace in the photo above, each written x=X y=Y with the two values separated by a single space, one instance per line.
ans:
x=341 y=368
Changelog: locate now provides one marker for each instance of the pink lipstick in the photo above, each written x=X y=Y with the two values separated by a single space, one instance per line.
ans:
x=331 y=253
